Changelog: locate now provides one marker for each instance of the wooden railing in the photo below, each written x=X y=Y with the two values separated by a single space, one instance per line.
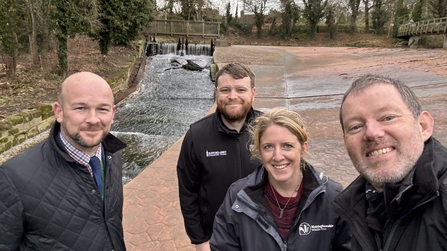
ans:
x=183 y=28
x=425 y=27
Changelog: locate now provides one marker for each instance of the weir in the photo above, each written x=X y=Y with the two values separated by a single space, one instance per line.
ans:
x=169 y=100
x=182 y=48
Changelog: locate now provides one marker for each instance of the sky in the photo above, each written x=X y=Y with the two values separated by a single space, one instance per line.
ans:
x=221 y=5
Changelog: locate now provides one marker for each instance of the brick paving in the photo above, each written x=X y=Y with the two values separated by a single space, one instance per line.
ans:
x=308 y=80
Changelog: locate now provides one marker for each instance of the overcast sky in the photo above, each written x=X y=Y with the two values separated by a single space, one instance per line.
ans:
x=221 y=5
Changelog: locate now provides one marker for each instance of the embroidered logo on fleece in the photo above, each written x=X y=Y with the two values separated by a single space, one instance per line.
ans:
x=305 y=228
x=215 y=153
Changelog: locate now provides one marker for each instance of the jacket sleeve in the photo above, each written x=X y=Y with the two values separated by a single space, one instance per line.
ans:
x=342 y=239
x=189 y=178
x=225 y=233
x=11 y=209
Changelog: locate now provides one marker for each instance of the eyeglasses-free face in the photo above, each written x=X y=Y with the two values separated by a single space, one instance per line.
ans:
x=234 y=98
x=226 y=90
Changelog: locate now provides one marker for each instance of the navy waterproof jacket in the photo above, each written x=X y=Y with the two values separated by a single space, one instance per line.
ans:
x=245 y=222
x=50 y=202
x=211 y=158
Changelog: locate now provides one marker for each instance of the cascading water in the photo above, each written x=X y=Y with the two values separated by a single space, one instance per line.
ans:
x=170 y=99
x=179 y=49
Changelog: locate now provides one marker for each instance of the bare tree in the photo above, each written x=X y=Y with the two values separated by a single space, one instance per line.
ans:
x=31 y=9
x=366 y=3
x=10 y=15
x=258 y=8
x=354 y=6
x=289 y=16
x=193 y=9
x=313 y=12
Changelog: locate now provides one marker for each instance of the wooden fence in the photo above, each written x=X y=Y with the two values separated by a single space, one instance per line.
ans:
x=425 y=27
x=183 y=28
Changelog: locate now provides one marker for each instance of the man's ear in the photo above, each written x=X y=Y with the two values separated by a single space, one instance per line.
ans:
x=426 y=124
x=57 y=110
x=253 y=92
x=114 y=113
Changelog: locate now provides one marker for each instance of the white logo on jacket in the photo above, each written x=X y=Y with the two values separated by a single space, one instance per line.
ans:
x=305 y=228
x=216 y=153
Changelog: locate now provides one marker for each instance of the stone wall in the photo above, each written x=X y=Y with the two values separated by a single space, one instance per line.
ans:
x=27 y=124
x=31 y=126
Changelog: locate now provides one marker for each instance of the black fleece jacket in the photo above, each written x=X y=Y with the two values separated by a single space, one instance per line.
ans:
x=211 y=158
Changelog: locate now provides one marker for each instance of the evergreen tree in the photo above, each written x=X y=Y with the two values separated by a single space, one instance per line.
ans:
x=68 y=18
x=121 y=21
x=189 y=10
x=438 y=8
x=416 y=14
x=379 y=17
x=401 y=12
x=236 y=14
x=229 y=17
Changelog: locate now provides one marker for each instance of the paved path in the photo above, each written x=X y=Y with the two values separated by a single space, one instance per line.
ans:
x=308 y=80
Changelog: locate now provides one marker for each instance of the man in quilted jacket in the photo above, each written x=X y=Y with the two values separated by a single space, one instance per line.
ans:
x=51 y=198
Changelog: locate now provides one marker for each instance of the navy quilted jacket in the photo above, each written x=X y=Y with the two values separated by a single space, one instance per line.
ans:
x=49 y=202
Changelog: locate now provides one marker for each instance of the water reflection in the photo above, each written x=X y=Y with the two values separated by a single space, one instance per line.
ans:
x=170 y=99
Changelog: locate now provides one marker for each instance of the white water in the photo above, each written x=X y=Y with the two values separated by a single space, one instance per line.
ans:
x=170 y=99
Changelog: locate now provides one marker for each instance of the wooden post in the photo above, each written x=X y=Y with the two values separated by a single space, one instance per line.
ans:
x=445 y=41
x=390 y=28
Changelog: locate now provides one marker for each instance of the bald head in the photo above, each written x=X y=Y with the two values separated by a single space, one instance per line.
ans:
x=85 y=110
x=84 y=81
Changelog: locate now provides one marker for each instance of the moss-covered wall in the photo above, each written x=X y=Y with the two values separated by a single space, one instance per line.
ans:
x=24 y=125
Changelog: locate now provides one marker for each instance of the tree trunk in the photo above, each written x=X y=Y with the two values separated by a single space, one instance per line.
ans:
x=366 y=2
x=62 y=52
x=11 y=59
x=33 y=34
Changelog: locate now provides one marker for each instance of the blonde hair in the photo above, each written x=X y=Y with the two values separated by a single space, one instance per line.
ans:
x=277 y=116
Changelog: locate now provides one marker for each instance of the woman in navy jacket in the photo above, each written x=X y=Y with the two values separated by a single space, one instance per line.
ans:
x=285 y=203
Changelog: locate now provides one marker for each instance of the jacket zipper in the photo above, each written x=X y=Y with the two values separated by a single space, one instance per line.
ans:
x=239 y=154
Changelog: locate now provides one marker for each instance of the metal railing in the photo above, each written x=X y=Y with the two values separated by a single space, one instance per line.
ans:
x=184 y=28
x=425 y=27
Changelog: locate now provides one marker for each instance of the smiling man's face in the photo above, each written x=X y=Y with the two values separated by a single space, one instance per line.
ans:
x=381 y=135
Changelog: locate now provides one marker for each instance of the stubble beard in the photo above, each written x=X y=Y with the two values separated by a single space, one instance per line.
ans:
x=377 y=176
x=79 y=140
